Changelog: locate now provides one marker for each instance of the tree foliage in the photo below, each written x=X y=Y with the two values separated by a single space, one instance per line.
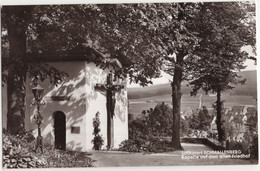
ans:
x=145 y=131
x=201 y=120
x=220 y=55
x=156 y=122
x=190 y=41
x=34 y=32
x=160 y=120
x=179 y=41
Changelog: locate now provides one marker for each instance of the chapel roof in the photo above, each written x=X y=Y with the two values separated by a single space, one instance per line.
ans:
x=79 y=53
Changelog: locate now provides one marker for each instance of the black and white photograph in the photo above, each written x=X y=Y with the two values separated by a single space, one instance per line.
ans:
x=129 y=84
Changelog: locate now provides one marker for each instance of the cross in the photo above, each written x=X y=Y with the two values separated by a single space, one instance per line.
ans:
x=111 y=100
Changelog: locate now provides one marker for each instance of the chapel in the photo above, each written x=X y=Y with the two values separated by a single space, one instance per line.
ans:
x=70 y=107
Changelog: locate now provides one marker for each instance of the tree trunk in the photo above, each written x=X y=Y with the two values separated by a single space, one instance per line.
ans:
x=16 y=28
x=221 y=133
x=176 y=101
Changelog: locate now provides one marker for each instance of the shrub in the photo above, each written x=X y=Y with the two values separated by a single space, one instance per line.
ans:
x=98 y=140
x=149 y=145
x=130 y=146
x=156 y=145
x=18 y=152
x=153 y=122
x=144 y=132
x=138 y=129
x=159 y=120
x=64 y=159
x=234 y=145
x=253 y=148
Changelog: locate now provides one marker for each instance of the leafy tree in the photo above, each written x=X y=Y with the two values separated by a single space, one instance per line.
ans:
x=220 y=55
x=200 y=120
x=16 y=24
x=144 y=130
x=34 y=32
x=160 y=120
x=138 y=129
x=16 y=68
x=204 y=118
x=153 y=32
x=193 y=31
x=156 y=121
x=141 y=37
x=162 y=31
x=175 y=34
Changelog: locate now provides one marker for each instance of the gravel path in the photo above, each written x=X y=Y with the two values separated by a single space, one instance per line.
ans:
x=115 y=159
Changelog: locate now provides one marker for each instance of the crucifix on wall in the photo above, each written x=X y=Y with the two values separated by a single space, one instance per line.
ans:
x=111 y=101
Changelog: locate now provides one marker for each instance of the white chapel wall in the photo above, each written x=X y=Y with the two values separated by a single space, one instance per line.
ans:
x=74 y=108
x=97 y=101
x=121 y=117
x=96 y=75
x=80 y=109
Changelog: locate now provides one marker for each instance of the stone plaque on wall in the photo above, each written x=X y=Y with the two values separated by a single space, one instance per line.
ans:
x=75 y=129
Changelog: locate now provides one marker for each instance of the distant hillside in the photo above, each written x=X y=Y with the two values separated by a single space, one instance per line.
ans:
x=154 y=90
x=250 y=88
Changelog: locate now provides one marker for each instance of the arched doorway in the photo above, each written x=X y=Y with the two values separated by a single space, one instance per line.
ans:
x=60 y=130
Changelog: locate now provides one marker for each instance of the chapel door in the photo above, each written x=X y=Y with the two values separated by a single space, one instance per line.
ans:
x=60 y=130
